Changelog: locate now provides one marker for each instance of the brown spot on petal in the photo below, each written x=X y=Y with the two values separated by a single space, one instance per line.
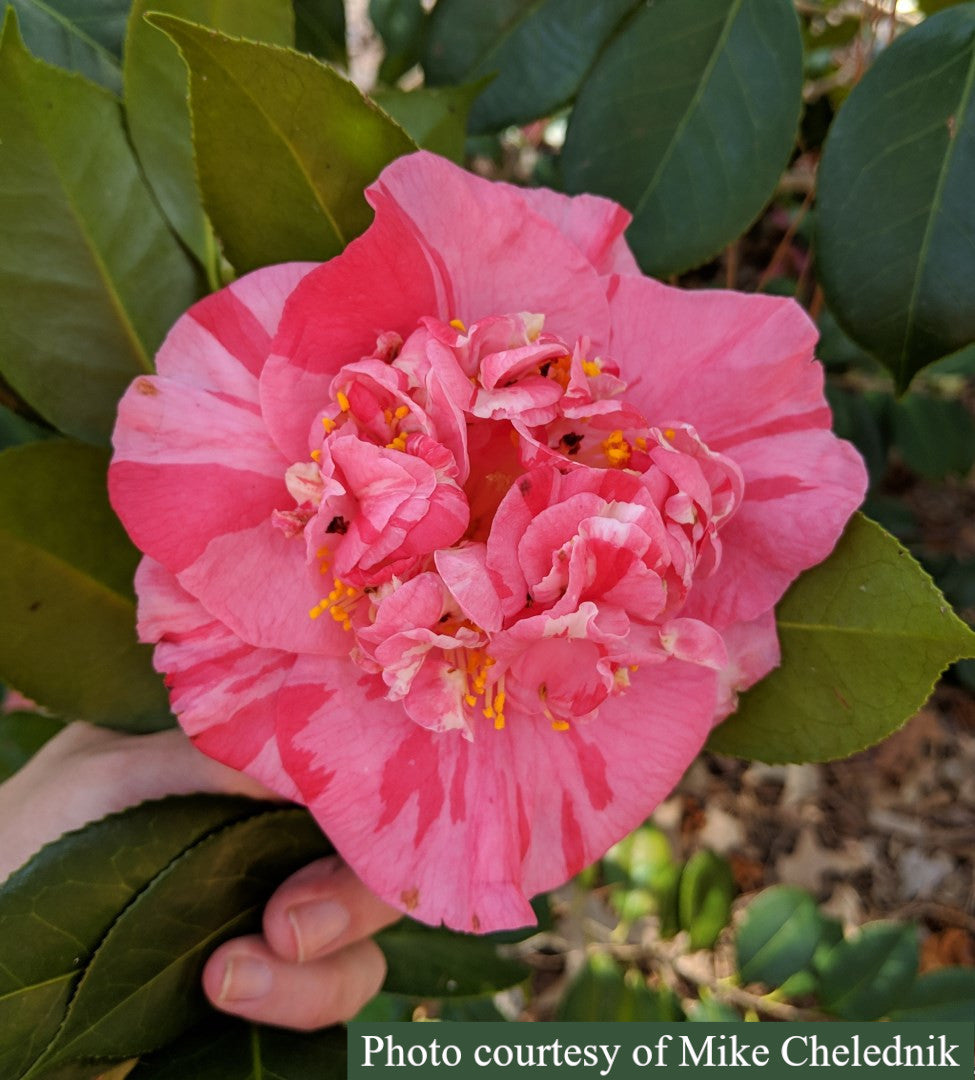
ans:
x=410 y=898
x=475 y=923
x=144 y=386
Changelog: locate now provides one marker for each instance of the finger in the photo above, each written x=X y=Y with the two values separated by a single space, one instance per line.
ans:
x=178 y=768
x=320 y=909
x=246 y=978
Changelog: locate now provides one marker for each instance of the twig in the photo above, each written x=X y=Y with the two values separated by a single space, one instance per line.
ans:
x=784 y=243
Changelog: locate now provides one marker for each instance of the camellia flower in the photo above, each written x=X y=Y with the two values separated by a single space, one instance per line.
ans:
x=467 y=537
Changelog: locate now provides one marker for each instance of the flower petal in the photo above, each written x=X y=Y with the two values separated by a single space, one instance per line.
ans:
x=800 y=489
x=594 y=224
x=498 y=255
x=464 y=831
x=222 y=690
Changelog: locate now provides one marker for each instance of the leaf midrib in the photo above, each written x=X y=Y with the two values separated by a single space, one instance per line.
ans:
x=692 y=107
x=868 y=631
x=919 y=273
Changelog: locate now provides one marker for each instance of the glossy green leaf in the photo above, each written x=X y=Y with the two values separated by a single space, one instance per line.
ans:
x=141 y=987
x=778 y=935
x=705 y=893
x=688 y=119
x=541 y=51
x=80 y=35
x=435 y=119
x=284 y=147
x=401 y=24
x=225 y=1049
x=864 y=636
x=320 y=29
x=863 y=977
x=60 y=905
x=67 y=610
x=424 y=961
x=22 y=734
x=90 y=276
x=896 y=218
x=156 y=88
x=601 y=991
x=948 y=994
x=935 y=436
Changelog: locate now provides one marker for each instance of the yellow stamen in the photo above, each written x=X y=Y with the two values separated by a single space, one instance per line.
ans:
x=316 y=455
x=458 y=325
x=343 y=401
x=640 y=443
x=669 y=433
x=403 y=410
x=328 y=423
x=591 y=368
x=499 y=723
x=560 y=725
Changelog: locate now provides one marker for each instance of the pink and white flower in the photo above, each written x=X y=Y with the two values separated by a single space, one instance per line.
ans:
x=467 y=537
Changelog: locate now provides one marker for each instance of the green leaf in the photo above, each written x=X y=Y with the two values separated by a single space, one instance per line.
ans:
x=778 y=936
x=424 y=961
x=277 y=185
x=687 y=119
x=896 y=217
x=80 y=35
x=59 y=906
x=90 y=276
x=16 y=429
x=706 y=890
x=320 y=29
x=222 y=1048
x=601 y=991
x=401 y=24
x=712 y=1011
x=541 y=51
x=934 y=436
x=156 y=88
x=863 y=977
x=864 y=636
x=435 y=119
x=948 y=994
x=644 y=862
x=141 y=987
x=66 y=604
x=22 y=734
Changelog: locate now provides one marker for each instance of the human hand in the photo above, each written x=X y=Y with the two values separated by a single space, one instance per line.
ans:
x=312 y=966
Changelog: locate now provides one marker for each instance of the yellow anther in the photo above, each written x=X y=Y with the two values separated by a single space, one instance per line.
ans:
x=388 y=415
x=669 y=433
x=560 y=725
x=640 y=443
x=470 y=699
x=343 y=401
x=328 y=423
x=350 y=590
x=403 y=410
x=634 y=667
x=499 y=723
x=591 y=368
x=499 y=701
x=458 y=325
x=488 y=712
x=316 y=455
x=321 y=552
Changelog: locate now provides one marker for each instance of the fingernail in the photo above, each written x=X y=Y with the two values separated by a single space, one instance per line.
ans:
x=317 y=923
x=245 y=979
